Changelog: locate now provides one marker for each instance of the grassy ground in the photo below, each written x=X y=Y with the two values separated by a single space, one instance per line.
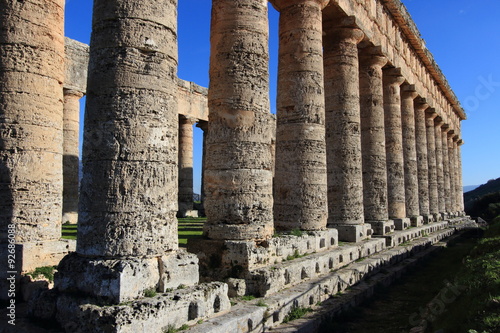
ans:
x=189 y=228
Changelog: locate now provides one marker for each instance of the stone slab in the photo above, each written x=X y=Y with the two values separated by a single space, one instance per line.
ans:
x=382 y=227
x=402 y=224
x=354 y=232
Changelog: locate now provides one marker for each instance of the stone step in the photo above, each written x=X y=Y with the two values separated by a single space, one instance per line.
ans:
x=269 y=312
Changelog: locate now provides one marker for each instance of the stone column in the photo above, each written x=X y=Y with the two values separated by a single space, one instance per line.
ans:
x=300 y=191
x=204 y=127
x=422 y=162
x=373 y=140
x=408 y=94
x=238 y=173
x=392 y=80
x=431 y=161
x=128 y=198
x=456 y=191
x=452 y=165
x=438 y=122
x=71 y=157
x=185 y=166
x=31 y=122
x=343 y=132
x=446 y=168
x=460 y=187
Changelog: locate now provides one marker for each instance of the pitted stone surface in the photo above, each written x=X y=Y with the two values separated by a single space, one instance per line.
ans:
x=238 y=170
x=446 y=168
x=178 y=268
x=408 y=94
x=373 y=135
x=343 y=132
x=392 y=80
x=128 y=198
x=185 y=165
x=422 y=161
x=440 y=165
x=300 y=190
x=431 y=159
x=31 y=121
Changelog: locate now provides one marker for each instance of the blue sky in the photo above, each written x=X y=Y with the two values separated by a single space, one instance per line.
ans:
x=463 y=35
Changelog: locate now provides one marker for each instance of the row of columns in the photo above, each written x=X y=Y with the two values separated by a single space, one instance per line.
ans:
x=343 y=116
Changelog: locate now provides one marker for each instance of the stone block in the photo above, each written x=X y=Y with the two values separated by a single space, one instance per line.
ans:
x=113 y=280
x=417 y=221
x=178 y=268
x=382 y=227
x=428 y=218
x=354 y=232
x=402 y=224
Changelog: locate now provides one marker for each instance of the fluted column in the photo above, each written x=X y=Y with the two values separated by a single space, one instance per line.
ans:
x=392 y=80
x=460 y=187
x=456 y=181
x=238 y=173
x=438 y=122
x=71 y=157
x=300 y=191
x=185 y=196
x=31 y=122
x=373 y=140
x=343 y=132
x=446 y=167
x=128 y=198
x=452 y=166
x=431 y=162
x=408 y=94
x=422 y=162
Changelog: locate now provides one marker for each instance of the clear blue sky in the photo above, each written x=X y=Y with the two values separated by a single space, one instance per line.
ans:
x=463 y=35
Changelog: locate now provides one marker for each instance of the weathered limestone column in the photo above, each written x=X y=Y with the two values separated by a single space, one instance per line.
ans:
x=446 y=168
x=71 y=157
x=431 y=162
x=422 y=162
x=438 y=122
x=456 y=190
x=408 y=94
x=127 y=234
x=452 y=166
x=392 y=80
x=373 y=140
x=185 y=166
x=343 y=132
x=31 y=135
x=238 y=174
x=204 y=127
x=460 y=187
x=300 y=191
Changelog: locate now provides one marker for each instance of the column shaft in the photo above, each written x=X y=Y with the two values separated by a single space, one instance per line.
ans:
x=31 y=119
x=71 y=157
x=446 y=168
x=460 y=196
x=431 y=160
x=456 y=166
x=440 y=165
x=394 y=143
x=128 y=198
x=422 y=162
x=408 y=94
x=343 y=132
x=238 y=174
x=373 y=135
x=185 y=165
x=453 y=181
x=300 y=191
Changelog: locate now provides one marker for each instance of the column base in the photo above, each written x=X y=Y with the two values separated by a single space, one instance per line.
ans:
x=353 y=232
x=437 y=217
x=382 y=227
x=125 y=279
x=417 y=221
x=402 y=224
x=428 y=218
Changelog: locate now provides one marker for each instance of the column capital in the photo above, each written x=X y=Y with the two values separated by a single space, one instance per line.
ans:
x=372 y=56
x=346 y=30
x=187 y=120
x=393 y=76
x=409 y=91
x=450 y=132
x=203 y=125
x=438 y=121
x=421 y=104
x=431 y=113
x=279 y=5
x=73 y=92
x=460 y=142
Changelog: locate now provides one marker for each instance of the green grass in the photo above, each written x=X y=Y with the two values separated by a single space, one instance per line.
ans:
x=45 y=271
x=69 y=231
x=296 y=313
x=189 y=228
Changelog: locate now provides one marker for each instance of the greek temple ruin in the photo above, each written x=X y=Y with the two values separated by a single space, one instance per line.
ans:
x=363 y=155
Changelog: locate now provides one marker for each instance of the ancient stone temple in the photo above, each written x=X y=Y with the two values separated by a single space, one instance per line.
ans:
x=365 y=144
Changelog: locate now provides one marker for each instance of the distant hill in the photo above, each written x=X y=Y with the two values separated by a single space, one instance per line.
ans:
x=492 y=186
x=468 y=188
